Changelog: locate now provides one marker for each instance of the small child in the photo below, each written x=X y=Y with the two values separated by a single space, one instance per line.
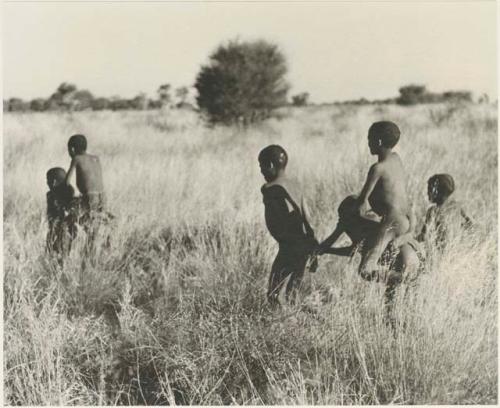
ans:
x=59 y=203
x=385 y=192
x=446 y=214
x=287 y=221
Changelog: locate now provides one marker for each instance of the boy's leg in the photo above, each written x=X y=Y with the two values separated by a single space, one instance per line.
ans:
x=277 y=278
x=390 y=228
x=297 y=274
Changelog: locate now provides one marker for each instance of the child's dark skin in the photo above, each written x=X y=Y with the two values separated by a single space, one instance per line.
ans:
x=445 y=213
x=59 y=201
x=88 y=173
x=363 y=234
x=287 y=221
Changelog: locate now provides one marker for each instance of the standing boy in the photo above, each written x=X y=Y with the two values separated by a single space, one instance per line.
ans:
x=287 y=221
x=446 y=214
x=89 y=183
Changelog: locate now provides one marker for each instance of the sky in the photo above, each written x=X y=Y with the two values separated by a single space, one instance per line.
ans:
x=335 y=50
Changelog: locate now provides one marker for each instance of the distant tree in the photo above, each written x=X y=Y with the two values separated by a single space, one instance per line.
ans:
x=154 y=104
x=457 y=96
x=411 y=94
x=81 y=100
x=62 y=98
x=39 y=105
x=164 y=94
x=17 y=105
x=300 y=99
x=140 y=102
x=243 y=82
x=120 y=104
x=181 y=93
x=100 y=104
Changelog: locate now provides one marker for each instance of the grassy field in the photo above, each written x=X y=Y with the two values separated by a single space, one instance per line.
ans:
x=189 y=260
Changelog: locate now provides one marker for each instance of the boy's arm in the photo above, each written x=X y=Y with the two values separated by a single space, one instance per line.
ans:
x=423 y=232
x=305 y=214
x=71 y=170
x=343 y=251
x=371 y=181
x=328 y=242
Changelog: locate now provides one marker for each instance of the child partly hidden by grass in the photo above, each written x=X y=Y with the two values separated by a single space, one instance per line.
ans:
x=446 y=216
x=287 y=221
x=60 y=213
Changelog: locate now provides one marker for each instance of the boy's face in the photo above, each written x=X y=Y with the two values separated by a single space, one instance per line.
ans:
x=268 y=170
x=432 y=192
x=373 y=144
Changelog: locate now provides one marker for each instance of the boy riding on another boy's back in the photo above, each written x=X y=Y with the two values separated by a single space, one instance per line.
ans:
x=385 y=192
x=287 y=221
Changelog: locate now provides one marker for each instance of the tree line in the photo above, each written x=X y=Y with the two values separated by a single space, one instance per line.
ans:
x=68 y=97
x=242 y=82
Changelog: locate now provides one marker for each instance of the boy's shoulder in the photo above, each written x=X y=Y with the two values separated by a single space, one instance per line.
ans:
x=273 y=189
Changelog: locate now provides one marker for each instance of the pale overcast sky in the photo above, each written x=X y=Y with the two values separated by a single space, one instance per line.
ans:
x=335 y=51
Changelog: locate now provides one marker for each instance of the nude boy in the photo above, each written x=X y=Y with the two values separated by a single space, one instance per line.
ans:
x=385 y=192
x=287 y=221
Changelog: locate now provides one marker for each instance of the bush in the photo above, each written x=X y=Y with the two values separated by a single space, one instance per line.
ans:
x=243 y=82
x=300 y=99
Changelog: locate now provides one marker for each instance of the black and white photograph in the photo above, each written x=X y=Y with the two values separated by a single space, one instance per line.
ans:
x=250 y=202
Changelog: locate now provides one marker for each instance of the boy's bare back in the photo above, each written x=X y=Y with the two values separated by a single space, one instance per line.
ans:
x=389 y=194
x=88 y=174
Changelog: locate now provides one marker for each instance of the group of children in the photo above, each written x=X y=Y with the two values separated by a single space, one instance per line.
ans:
x=66 y=211
x=383 y=236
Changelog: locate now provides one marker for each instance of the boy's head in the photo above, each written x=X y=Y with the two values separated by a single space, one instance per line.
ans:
x=77 y=144
x=383 y=134
x=440 y=187
x=348 y=207
x=273 y=160
x=55 y=177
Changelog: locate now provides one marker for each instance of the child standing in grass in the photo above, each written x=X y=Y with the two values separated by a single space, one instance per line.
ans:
x=59 y=204
x=287 y=222
x=90 y=185
x=446 y=213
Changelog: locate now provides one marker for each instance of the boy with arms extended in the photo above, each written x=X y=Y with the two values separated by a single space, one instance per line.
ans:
x=401 y=262
x=385 y=192
x=287 y=221
x=446 y=214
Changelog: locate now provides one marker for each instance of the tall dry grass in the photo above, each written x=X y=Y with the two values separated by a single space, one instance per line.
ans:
x=189 y=259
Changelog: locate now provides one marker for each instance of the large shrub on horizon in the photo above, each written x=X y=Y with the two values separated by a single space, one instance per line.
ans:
x=242 y=83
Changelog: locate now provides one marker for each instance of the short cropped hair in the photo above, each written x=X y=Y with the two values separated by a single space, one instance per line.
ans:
x=56 y=174
x=78 y=143
x=444 y=184
x=274 y=154
x=385 y=131
x=347 y=206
